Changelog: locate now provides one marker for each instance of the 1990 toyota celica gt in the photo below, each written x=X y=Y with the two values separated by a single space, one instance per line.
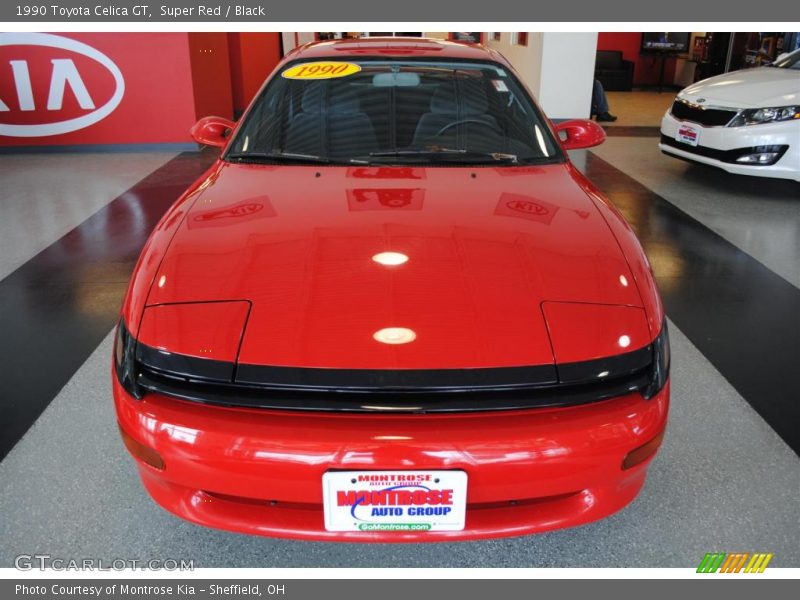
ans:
x=392 y=310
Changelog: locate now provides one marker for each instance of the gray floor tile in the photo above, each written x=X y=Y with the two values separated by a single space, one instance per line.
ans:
x=759 y=215
x=46 y=195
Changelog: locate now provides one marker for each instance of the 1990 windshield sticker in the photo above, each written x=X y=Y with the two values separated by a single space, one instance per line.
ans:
x=395 y=501
x=321 y=70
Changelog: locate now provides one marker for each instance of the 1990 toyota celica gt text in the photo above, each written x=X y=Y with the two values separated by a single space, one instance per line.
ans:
x=392 y=310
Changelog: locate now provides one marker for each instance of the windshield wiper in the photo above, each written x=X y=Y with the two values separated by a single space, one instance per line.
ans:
x=269 y=157
x=468 y=155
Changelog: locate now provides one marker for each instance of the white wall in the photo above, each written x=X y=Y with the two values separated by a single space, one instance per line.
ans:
x=526 y=59
x=557 y=67
x=565 y=90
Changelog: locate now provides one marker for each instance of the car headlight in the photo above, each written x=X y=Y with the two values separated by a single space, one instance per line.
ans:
x=660 y=369
x=125 y=359
x=757 y=116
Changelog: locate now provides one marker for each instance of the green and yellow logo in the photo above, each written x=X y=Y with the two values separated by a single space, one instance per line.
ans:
x=737 y=562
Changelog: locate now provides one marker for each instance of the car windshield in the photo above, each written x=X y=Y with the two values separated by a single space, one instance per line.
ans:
x=792 y=61
x=394 y=112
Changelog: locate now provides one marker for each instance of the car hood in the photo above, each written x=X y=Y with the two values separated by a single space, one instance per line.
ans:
x=486 y=248
x=749 y=88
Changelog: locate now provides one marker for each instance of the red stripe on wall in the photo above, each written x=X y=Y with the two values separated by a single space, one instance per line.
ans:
x=253 y=56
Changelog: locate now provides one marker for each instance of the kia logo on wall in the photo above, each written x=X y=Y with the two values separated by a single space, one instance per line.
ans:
x=50 y=85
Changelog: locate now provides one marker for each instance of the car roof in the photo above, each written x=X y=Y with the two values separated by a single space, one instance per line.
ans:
x=396 y=46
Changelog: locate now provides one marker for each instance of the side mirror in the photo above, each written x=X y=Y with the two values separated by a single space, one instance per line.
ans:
x=212 y=131
x=580 y=133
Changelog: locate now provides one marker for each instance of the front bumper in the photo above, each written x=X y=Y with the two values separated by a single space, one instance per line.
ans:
x=724 y=139
x=260 y=471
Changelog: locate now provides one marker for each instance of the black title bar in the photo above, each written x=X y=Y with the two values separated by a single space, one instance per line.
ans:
x=463 y=11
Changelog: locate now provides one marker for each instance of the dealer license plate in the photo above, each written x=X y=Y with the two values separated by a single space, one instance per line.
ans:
x=394 y=500
x=688 y=135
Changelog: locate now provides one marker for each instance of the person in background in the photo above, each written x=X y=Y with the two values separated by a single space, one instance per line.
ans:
x=600 y=104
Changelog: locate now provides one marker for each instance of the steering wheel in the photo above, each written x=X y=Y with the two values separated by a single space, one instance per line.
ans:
x=462 y=122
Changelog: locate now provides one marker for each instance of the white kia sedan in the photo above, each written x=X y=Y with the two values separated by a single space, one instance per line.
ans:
x=745 y=122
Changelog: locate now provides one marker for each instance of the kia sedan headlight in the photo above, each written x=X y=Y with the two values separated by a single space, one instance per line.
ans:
x=757 y=116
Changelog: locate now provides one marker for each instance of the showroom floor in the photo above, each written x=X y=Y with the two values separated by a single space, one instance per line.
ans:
x=725 y=249
x=639 y=108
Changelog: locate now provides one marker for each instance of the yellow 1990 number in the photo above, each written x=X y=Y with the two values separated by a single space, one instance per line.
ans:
x=321 y=70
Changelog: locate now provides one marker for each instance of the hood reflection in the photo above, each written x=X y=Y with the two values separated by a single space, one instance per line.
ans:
x=386 y=173
x=257 y=207
x=525 y=207
x=385 y=199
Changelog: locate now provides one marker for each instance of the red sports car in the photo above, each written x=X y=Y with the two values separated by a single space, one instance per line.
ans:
x=392 y=310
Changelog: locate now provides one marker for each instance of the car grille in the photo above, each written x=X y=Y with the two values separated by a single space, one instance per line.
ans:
x=727 y=156
x=723 y=155
x=458 y=390
x=710 y=117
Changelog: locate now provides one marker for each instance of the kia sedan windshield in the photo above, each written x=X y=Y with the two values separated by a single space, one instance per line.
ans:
x=394 y=112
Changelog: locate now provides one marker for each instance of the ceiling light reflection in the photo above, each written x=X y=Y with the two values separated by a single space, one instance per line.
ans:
x=394 y=335
x=624 y=341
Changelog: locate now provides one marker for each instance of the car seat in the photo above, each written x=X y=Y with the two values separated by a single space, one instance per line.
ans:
x=446 y=108
x=330 y=124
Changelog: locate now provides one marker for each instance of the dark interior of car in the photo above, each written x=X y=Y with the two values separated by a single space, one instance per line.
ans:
x=367 y=113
